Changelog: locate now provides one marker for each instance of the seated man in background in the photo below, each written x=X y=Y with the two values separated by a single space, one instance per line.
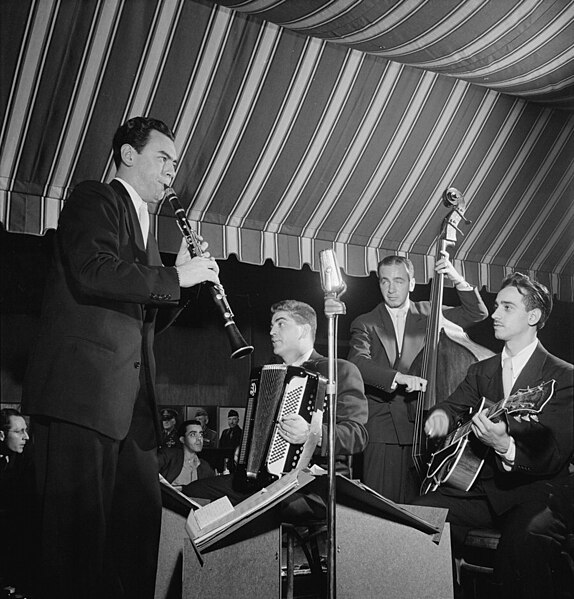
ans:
x=181 y=465
x=524 y=487
x=293 y=329
x=19 y=513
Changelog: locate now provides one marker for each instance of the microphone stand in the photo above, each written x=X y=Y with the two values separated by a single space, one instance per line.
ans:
x=333 y=307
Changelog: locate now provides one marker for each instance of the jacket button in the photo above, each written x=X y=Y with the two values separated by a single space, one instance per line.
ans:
x=137 y=364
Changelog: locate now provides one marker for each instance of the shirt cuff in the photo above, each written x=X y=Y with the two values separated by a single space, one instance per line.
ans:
x=509 y=456
x=463 y=286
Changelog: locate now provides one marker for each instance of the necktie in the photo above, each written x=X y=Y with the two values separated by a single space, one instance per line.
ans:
x=144 y=221
x=507 y=376
x=401 y=315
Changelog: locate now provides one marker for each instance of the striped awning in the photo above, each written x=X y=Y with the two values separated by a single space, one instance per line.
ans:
x=306 y=125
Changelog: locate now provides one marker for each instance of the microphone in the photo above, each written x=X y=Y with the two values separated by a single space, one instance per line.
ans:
x=331 y=279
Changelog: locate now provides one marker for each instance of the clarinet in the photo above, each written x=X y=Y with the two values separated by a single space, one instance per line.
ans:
x=239 y=347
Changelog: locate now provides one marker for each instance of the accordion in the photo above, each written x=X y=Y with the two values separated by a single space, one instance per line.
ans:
x=275 y=390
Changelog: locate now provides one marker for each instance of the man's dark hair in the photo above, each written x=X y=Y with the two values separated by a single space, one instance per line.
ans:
x=300 y=312
x=185 y=424
x=534 y=295
x=136 y=132
x=5 y=415
x=398 y=260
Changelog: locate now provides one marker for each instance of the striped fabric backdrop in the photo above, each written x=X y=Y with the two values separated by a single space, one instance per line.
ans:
x=308 y=125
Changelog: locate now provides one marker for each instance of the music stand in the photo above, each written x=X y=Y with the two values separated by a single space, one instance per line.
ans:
x=334 y=287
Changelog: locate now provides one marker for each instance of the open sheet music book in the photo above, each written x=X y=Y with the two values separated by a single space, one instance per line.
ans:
x=216 y=520
x=178 y=496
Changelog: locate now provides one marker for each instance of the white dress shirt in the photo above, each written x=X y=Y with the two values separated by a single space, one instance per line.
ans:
x=141 y=208
x=518 y=363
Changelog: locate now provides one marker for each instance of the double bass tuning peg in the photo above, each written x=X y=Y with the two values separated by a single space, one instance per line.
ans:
x=453 y=198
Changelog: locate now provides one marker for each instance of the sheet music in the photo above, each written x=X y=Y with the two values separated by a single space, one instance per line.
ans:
x=246 y=510
x=213 y=511
x=178 y=494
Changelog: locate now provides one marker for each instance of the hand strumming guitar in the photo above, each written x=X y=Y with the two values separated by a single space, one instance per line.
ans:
x=437 y=424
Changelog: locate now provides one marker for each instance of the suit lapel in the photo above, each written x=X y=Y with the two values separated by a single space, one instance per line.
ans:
x=152 y=251
x=532 y=370
x=414 y=338
x=313 y=358
x=492 y=375
x=385 y=331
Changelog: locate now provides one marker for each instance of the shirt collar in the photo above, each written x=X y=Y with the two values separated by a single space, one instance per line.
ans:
x=394 y=312
x=302 y=358
x=134 y=195
x=191 y=457
x=520 y=359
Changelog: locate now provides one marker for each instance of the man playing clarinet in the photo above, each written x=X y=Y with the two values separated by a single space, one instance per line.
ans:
x=90 y=381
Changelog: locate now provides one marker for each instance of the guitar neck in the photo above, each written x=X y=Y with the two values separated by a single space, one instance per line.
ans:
x=492 y=412
x=530 y=401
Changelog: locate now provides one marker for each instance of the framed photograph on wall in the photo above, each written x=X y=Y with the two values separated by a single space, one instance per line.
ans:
x=231 y=424
x=170 y=418
x=230 y=417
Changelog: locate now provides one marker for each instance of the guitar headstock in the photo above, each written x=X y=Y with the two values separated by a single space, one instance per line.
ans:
x=530 y=400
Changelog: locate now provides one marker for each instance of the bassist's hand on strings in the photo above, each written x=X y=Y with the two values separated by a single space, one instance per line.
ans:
x=492 y=434
x=412 y=383
x=437 y=424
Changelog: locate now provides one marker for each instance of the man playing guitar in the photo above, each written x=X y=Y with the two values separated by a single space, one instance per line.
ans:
x=522 y=486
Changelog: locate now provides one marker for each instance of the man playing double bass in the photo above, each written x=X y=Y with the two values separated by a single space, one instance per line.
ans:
x=384 y=344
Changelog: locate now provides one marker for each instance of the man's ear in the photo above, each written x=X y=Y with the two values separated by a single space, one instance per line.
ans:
x=534 y=316
x=127 y=153
x=412 y=284
x=182 y=439
x=2 y=436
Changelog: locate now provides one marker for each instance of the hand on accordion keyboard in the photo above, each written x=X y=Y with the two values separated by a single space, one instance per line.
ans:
x=294 y=428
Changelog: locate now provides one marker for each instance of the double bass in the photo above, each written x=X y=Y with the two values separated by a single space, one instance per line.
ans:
x=448 y=350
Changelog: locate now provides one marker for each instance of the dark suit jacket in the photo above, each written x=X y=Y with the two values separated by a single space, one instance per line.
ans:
x=374 y=351
x=544 y=445
x=352 y=410
x=171 y=462
x=99 y=314
x=231 y=437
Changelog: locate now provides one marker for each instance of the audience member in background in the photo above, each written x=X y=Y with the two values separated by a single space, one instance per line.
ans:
x=231 y=437
x=18 y=505
x=210 y=440
x=169 y=428
x=181 y=465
